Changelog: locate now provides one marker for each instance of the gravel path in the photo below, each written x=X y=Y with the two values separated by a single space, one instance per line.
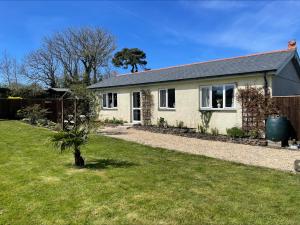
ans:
x=246 y=154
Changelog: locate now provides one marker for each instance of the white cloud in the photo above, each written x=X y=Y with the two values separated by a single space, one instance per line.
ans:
x=214 y=5
x=270 y=27
x=266 y=29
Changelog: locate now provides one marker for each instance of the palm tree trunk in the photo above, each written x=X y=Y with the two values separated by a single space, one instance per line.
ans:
x=79 y=161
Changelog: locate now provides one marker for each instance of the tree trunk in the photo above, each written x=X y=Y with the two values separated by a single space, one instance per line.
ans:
x=79 y=161
x=95 y=76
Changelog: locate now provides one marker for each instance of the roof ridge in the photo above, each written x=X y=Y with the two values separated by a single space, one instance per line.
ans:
x=209 y=61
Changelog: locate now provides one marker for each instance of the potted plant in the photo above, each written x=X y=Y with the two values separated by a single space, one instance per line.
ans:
x=219 y=102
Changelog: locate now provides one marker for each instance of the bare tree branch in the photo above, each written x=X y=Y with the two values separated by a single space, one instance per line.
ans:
x=41 y=66
x=9 y=69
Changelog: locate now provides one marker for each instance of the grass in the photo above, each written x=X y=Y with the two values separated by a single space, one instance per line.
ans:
x=128 y=183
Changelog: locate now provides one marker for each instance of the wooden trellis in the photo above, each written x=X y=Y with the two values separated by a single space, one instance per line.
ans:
x=147 y=106
x=257 y=105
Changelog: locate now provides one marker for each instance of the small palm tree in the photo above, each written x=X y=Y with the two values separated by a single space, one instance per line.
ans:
x=72 y=139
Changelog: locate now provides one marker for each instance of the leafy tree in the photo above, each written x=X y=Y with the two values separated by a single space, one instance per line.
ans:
x=71 y=140
x=133 y=57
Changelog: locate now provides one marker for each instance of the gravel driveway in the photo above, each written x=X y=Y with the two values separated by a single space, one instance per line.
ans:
x=246 y=154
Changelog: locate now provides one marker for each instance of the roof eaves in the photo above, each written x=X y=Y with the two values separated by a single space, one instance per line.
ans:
x=184 y=79
x=283 y=64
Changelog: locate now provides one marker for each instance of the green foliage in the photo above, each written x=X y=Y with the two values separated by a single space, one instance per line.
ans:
x=87 y=104
x=33 y=113
x=205 y=119
x=202 y=129
x=130 y=57
x=161 y=122
x=180 y=124
x=214 y=131
x=72 y=139
x=254 y=133
x=114 y=121
x=235 y=132
x=27 y=91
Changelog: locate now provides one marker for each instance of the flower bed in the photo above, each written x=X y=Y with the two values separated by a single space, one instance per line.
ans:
x=191 y=133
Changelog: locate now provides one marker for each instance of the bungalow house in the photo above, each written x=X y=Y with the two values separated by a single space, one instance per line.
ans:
x=181 y=93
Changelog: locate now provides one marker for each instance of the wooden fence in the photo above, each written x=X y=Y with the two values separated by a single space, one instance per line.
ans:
x=9 y=107
x=289 y=106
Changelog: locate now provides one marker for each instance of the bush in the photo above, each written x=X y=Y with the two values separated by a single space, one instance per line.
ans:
x=162 y=122
x=235 y=132
x=214 y=131
x=254 y=134
x=114 y=121
x=180 y=124
x=33 y=113
x=201 y=129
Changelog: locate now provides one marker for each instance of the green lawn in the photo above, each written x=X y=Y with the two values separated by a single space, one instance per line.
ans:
x=128 y=183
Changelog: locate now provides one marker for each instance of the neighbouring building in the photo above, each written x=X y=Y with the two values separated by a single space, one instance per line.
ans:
x=181 y=93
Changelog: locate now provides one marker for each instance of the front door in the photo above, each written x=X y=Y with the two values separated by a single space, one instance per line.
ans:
x=136 y=107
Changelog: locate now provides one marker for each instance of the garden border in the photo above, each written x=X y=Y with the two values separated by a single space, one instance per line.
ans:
x=191 y=133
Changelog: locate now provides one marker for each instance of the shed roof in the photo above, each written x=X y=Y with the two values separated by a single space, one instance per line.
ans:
x=60 y=89
x=268 y=61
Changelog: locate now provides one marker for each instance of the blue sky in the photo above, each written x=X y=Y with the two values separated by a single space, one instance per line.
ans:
x=170 y=32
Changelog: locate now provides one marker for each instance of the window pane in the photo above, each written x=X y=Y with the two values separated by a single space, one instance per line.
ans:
x=217 y=96
x=104 y=100
x=110 y=100
x=171 y=98
x=229 y=95
x=136 y=100
x=115 y=100
x=205 y=97
x=162 y=98
x=137 y=115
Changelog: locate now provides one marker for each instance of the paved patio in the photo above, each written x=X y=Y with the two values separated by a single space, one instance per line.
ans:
x=280 y=159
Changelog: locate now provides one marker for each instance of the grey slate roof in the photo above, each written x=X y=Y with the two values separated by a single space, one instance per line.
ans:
x=270 y=61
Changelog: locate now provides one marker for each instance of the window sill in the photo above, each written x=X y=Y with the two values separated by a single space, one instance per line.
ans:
x=216 y=109
x=109 y=109
x=166 y=109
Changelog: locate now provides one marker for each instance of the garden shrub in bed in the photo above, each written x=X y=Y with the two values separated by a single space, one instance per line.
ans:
x=235 y=132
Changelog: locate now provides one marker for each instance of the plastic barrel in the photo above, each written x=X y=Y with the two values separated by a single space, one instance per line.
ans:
x=277 y=128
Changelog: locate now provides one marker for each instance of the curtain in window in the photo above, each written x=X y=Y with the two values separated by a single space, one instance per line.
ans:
x=205 y=97
x=104 y=100
x=110 y=100
x=162 y=98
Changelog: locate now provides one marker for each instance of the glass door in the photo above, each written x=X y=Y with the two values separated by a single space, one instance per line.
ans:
x=136 y=107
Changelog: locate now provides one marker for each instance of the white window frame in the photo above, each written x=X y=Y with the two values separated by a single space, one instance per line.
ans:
x=106 y=100
x=210 y=97
x=167 y=96
x=224 y=97
x=135 y=108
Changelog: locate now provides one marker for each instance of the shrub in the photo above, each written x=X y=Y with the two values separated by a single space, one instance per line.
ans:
x=114 y=121
x=254 y=133
x=162 y=122
x=235 y=132
x=214 y=131
x=180 y=124
x=201 y=129
x=33 y=113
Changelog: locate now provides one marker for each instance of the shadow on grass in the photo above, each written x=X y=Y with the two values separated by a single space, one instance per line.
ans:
x=106 y=163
